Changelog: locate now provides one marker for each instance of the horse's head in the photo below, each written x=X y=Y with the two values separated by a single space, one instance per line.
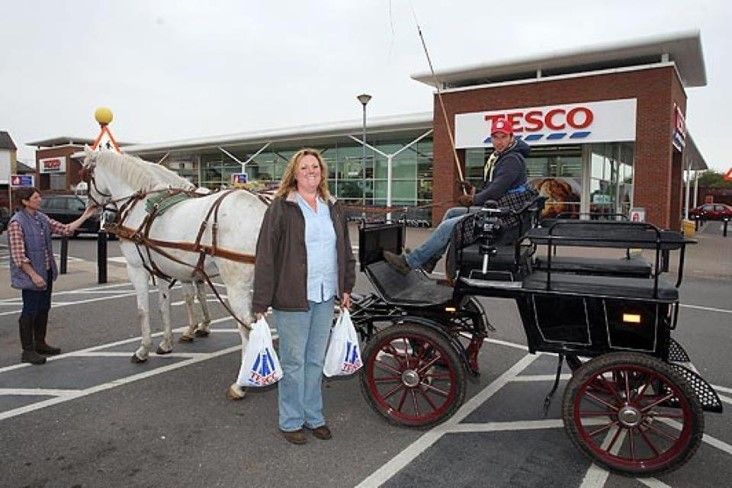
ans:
x=98 y=191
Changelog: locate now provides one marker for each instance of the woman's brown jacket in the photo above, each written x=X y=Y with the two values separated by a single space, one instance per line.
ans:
x=280 y=270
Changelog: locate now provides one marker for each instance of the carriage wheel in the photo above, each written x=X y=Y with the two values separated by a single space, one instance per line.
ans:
x=412 y=375
x=632 y=413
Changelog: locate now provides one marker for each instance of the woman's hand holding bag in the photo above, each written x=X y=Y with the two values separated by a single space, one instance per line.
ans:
x=260 y=365
x=344 y=355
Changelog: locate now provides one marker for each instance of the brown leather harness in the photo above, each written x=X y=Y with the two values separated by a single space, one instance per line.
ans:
x=142 y=240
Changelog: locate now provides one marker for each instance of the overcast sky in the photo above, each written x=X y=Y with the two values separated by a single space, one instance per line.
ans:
x=178 y=69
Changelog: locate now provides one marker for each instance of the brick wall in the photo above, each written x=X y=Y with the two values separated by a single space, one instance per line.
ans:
x=655 y=89
x=72 y=167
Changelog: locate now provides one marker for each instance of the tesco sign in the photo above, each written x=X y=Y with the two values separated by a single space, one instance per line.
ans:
x=579 y=123
x=53 y=165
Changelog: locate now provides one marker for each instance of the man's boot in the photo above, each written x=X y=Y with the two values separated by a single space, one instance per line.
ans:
x=29 y=355
x=39 y=331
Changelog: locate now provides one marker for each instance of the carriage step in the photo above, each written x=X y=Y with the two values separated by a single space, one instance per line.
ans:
x=677 y=354
x=708 y=398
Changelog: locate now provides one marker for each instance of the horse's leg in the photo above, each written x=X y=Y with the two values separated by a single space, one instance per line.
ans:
x=166 y=345
x=139 y=279
x=188 y=296
x=238 y=280
x=204 y=327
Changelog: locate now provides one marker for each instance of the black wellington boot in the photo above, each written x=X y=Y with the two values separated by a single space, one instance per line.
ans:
x=26 y=340
x=40 y=324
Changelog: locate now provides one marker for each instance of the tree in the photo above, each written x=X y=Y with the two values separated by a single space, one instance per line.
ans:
x=713 y=179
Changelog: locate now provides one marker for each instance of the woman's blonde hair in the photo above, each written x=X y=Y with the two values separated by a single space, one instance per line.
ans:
x=289 y=183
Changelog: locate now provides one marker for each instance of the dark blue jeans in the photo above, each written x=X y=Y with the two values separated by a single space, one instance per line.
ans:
x=35 y=301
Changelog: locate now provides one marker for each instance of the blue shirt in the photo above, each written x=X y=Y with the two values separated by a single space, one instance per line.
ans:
x=320 y=244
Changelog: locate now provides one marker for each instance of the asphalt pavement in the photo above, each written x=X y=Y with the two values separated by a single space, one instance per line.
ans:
x=91 y=418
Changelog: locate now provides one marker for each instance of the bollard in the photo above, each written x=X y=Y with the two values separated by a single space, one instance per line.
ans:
x=696 y=224
x=64 y=254
x=102 y=256
x=724 y=232
x=665 y=260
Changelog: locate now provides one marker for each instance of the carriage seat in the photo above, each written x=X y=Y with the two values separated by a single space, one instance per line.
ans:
x=502 y=263
x=617 y=287
x=414 y=289
x=636 y=267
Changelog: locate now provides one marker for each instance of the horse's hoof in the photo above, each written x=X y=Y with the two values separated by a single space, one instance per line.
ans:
x=136 y=360
x=202 y=333
x=161 y=351
x=235 y=392
x=185 y=338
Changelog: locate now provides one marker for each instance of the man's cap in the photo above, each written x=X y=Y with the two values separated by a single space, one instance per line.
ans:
x=501 y=125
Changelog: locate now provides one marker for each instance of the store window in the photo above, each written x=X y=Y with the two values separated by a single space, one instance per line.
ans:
x=611 y=178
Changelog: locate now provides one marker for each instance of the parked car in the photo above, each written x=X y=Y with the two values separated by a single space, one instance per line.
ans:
x=711 y=211
x=4 y=218
x=66 y=209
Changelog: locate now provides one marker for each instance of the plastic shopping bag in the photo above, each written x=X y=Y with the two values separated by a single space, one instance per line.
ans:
x=343 y=356
x=260 y=365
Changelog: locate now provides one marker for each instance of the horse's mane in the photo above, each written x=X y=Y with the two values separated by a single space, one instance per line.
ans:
x=141 y=174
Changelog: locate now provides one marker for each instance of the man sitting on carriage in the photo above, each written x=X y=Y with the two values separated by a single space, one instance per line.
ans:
x=504 y=181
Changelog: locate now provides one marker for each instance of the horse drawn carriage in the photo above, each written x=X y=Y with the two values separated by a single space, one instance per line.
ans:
x=634 y=404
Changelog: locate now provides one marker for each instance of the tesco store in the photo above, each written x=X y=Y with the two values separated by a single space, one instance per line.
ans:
x=606 y=126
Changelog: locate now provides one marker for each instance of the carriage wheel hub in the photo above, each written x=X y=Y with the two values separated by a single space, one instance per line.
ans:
x=630 y=416
x=410 y=378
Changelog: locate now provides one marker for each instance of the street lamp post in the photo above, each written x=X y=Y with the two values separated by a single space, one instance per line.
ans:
x=364 y=99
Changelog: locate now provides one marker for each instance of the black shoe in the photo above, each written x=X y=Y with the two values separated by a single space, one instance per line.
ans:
x=44 y=348
x=32 y=357
x=397 y=262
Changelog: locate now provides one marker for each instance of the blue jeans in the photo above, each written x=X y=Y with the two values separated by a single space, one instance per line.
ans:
x=303 y=340
x=436 y=244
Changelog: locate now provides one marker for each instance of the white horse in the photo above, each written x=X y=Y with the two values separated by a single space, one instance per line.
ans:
x=116 y=177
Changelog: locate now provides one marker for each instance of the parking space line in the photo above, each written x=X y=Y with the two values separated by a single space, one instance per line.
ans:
x=706 y=309
x=115 y=383
x=501 y=426
x=653 y=483
x=722 y=388
x=38 y=391
x=410 y=453
x=113 y=354
x=541 y=377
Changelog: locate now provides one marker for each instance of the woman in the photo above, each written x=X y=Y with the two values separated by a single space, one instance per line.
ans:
x=33 y=269
x=304 y=260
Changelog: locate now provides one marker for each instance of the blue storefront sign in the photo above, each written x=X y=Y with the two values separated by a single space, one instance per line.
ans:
x=21 y=180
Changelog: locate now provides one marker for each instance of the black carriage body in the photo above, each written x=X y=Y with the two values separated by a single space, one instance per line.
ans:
x=587 y=325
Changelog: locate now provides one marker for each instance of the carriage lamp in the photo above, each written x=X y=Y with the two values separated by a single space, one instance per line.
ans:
x=450 y=309
x=631 y=318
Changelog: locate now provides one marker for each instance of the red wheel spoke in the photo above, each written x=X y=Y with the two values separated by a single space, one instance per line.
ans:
x=393 y=390
x=382 y=365
x=607 y=385
x=663 y=399
x=406 y=354
x=427 y=398
x=390 y=349
x=436 y=390
x=421 y=371
x=401 y=400
x=414 y=401
x=602 y=429
x=662 y=433
x=437 y=376
x=662 y=415
x=631 y=442
x=627 y=384
x=387 y=379
x=601 y=401
x=597 y=414
x=642 y=390
x=615 y=438
x=648 y=442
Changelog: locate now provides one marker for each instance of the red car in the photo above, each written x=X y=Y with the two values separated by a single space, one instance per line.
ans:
x=711 y=211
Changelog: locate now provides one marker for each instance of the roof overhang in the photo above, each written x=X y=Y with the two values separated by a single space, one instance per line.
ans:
x=692 y=158
x=683 y=49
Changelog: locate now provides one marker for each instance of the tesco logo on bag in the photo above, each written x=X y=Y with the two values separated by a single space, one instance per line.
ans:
x=352 y=362
x=263 y=372
x=607 y=121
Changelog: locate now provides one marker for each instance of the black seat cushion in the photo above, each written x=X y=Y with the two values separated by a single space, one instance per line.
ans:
x=613 y=286
x=503 y=260
x=414 y=289
x=634 y=266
